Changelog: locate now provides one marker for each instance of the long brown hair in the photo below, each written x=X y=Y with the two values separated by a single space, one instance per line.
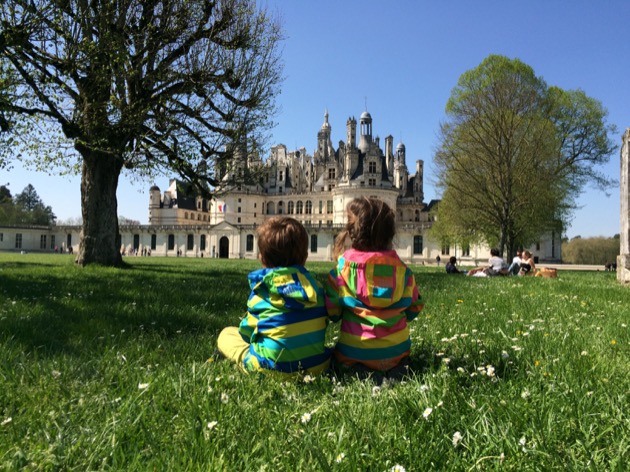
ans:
x=371 y=226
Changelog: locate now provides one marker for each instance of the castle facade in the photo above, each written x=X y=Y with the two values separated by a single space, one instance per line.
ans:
x=314 y=189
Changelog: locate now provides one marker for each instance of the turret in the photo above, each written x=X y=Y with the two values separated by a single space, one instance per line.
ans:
x=365 y=139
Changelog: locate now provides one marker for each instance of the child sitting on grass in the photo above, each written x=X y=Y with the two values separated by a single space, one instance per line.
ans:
x=286 y=320
x=373 y=291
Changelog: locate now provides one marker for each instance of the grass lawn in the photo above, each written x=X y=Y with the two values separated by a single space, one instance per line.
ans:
x=104 y=369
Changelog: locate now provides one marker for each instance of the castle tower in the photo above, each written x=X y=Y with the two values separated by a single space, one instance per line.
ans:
x=389 y=154
x=401 y=175
x=365 y=139
x=351 y=133
x=323 y=140
x=418 y=190
x=154 y=204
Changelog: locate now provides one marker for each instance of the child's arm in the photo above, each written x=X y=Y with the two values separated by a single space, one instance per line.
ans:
x=333 y=307
x=417 y=304
x=247 y=327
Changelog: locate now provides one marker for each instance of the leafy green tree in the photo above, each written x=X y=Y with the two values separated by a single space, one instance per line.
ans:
x=513 y=155
x=30 y=209
x=26 y=208
x=599 y=251
x=146 y=85
x=5 y=194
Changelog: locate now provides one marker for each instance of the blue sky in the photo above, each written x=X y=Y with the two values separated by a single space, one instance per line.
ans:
x=402 y=59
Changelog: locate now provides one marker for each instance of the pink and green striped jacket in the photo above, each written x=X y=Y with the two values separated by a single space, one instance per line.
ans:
x=375 y=294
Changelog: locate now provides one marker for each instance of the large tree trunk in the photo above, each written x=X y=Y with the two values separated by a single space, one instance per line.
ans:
x=100 y=238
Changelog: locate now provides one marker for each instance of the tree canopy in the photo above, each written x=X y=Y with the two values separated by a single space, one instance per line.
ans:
x=151 y=86
x=513 y=155
x=26 y=208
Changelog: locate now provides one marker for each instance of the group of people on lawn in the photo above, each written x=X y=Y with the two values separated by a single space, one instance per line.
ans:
x=522 y=264
x=371 y=291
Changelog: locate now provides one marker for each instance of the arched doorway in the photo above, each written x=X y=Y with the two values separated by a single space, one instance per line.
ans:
x=224 y=247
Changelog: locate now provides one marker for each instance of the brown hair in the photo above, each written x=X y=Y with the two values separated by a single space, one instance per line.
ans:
x=282 y=242
x=371 y=226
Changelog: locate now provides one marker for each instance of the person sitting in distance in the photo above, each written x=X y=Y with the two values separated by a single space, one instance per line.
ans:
x=451 y=267
x=496 y=266
x=515 y=266
x=527 y=264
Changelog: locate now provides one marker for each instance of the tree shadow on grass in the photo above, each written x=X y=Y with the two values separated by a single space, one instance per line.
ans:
x=64 y=311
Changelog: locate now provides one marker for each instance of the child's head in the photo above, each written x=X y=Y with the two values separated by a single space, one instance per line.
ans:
x=371 y=226
x=453 y=260
x=282 y=242
x=494 y=252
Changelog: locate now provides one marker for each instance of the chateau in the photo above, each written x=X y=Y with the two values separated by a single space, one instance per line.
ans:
x=314 y=189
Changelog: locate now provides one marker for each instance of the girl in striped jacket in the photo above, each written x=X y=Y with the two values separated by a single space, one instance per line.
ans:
x=372 y=291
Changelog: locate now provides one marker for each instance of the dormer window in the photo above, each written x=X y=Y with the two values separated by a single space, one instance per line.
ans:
x=372 y=167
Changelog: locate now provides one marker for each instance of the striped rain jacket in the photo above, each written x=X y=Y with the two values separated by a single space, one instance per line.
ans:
x=286 y=322
x=375 y=294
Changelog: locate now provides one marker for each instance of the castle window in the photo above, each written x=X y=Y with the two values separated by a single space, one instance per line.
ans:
x=199 y=205
x=466 y=250
x=42 y=241
x=372 y=182
x=186 y=215
x=372 y=167
x=329 y=206
x=198 y=217
x=299 y=207
x=190 y=243
x=280 y=207
x=153 y=241
x=202 y=242
x=18 y=241
x=321 y=207
x=417 y=245
x=446 y=250
x=52 y=242
x=290 y=208
x=331 y=173
x=238 y=220
x=281 y=175
x=313 y=243
x=249 y=246
x=171 y=242
x=238 y=210
x=309 y=207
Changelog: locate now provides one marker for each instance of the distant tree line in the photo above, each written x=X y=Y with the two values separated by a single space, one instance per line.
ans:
x=25 y=208
x=597 y=251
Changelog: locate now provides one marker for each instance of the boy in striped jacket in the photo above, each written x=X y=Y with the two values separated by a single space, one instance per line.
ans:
x=285 y=326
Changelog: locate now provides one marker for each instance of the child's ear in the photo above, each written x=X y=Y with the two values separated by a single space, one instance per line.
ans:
x=262 y=261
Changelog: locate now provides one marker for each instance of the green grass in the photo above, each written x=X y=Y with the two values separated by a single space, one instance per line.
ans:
x=533 y=373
